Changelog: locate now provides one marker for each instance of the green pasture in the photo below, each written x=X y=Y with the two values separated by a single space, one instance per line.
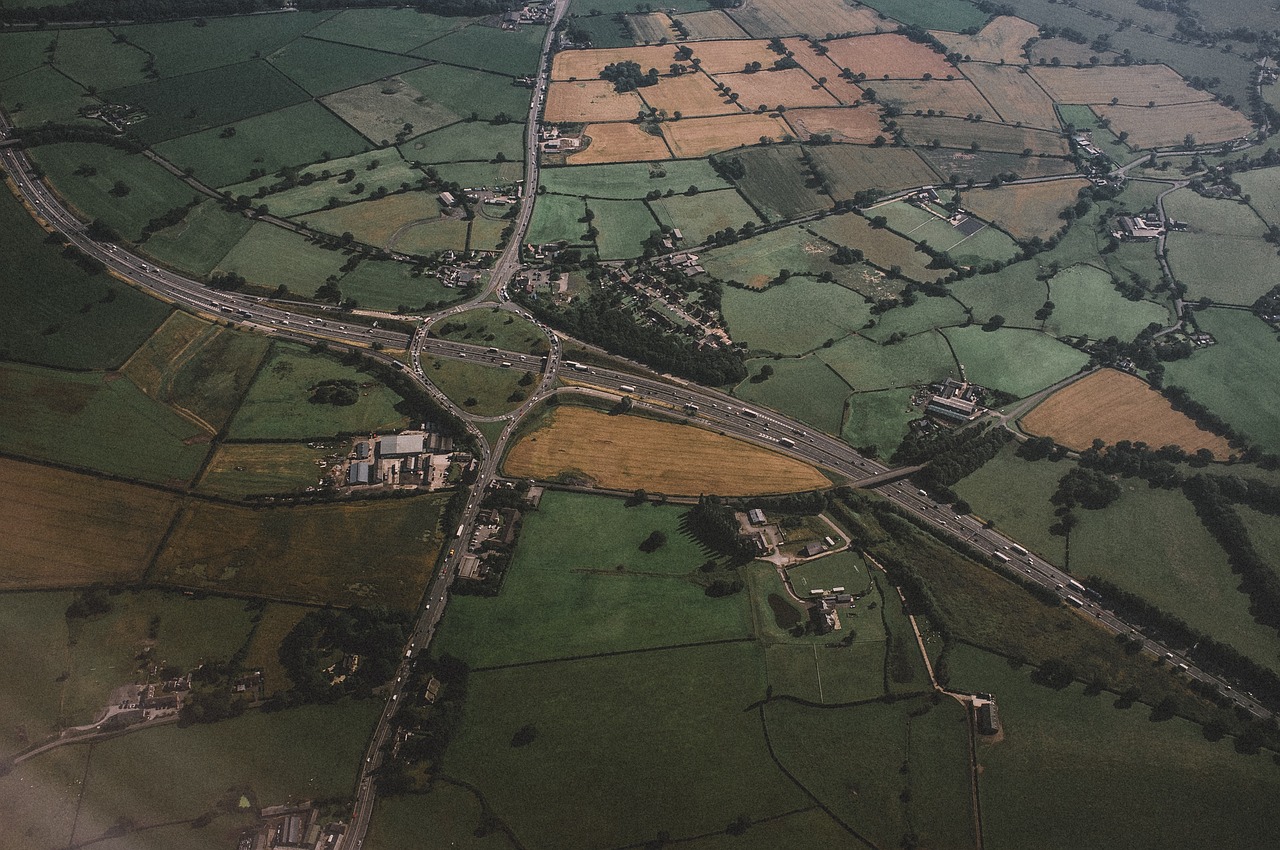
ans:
x=468 y=141
x=1016 y=361
x=482 y=390
x=388 y=109
x=271 y=256
x=30 y=705
x=495 y=328
x=623 y=226
x=843 y=569
x=1013 y=292
x=392 y=30
x=297 y=135
x=387 y=285
x=184 y=47
x=757 y=261
x=1225 y=269
x=151 y=191
x=953 y=15
x=441 y=234
x=805 y=388
x=984 y=165
x=1262 y=185
x=794 y=317
x=865 y=365
x=660 y=740
x=374 y=170
x=58 y=314
x=1136 y=778
x=606 y=30
x=882 y=247
x=463 y=91
x=1084 y=118
x=557 y=217
x=927 y=313
x=1216 y=216
x=580 y=585
x=42 y=796
x=22 y=51
x=627 y=180
x=1014 y=494
x=277 y=407
x=814 y=824
x=178 y=106
x=448 y=813
x=699 y=216
x=92 y=57
x=879 y=419
x=852 y=168
x=1086 y=303
x=1264 y=533
x=212 y=381
x=42 y=95
x=511 y=52
x=1151 y=542
x=487 y=234
x=613 y=7
x=238 y=470
x=85 y=420
x=1235 y=377
x=778 y=182
x=959 y=132
x=471 y=175
x=323 y=67
x=198 y=242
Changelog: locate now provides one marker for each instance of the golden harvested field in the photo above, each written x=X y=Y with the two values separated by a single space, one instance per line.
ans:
x=790 y=88
x=1013 y=94
x=852 y=168
x=366 y=553
x=959 y=133
x=619 y=143
x=1002 y=40
x=817 y=64
x=713 y=24
x=727 y=57
x=587 y=64
x=626 y=452
x=150 y=364
x=63 y=529
x=374 y=222
x=590 y=100
x=768 y=18
x=700 y=137
x=946 y=97
x=1162 y=126
x=689 y=94
x=1112 y=406
x=1133 y=85
x=651 y=28
x=844 y=124
x=888 y=54
x=1027 y=210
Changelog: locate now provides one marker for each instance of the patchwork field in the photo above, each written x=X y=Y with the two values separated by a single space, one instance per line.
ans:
x=270 y=256
x=691 y=95
x=381 y=110
x=1133 y=85
x=698 y=137
x=593 y=100
x=468 y=92
x=200 y=240
x=632 y=180
x=370 y=553
x=1025 y=211
x=376 y=222
x=794 y=317
x=1013 y=94
x=850 y=169
x=1000 y=41
x=985 y=135
x=1114 y=406
x=768 y=18
x=779 y=183
x=882 y=246
x=237 y=470
x=1016 y=361
x=68 y=529
x=804 y=388
x=619 y=143
x=587 y=64
x=1206 y=121
x=888 y=56
x=758 y=262
x=699 y=216
x=726 y=57
x=617 y=452
x=771 y=89
x=945 y=97
x=858 y=124
x=468 y=142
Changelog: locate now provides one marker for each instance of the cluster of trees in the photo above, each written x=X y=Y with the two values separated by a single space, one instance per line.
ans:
x=377 y=636
x=713 y=524
x=1087 y=488
x=729 y=167
x=627 y=76
x=949 y=455
x=88 y=603
x=1203 y=416
x=340 y=392
x=433 y=725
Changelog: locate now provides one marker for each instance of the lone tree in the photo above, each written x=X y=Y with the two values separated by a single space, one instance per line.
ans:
x=655 y=541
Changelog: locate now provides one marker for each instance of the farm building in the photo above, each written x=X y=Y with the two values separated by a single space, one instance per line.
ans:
x=756 y=516
x=955 y=400
x=362 y=450
x=988 y=719
x=401 y=445
x=1135 y=228
x=815 y=548
x=359 y=473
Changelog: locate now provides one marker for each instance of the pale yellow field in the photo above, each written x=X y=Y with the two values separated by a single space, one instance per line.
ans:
x=712 y=24
x=689 y=94
x=700 y=137
x=766 y=18
x=726 y=57
x=619 y=143
x=790 y=88
x=374 y=222
x=590 y=100
x=887 y=53
x=651 y=28
x=947 y=97
x=631 y=452
x=1132 y=85
x=817 y=64
x=1013 y=94
x=1162 y=126
x=1026 y=210
x=1001 y=40
x=844 y=124
x=587 y=64
x=1112 y=406
x=64 y=529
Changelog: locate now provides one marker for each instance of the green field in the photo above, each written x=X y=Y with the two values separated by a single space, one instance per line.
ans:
x=757 y=261
x=237 y=470
x=465 y=92
x=1086 y=303
x=395 y=30
x=470 y=175
x=276 y=407
x=1014 y=494
x=659 y=740
x=1150 y=542
x=1016 y=361
x=184 y=47
x=468 y=141
x=322 y=67
x=374 y=170
x=984 y=165
x=59 y=315
x=623 y=226
x=779 y=183
x=22 y=51
x=632 y=179
x=580 y=585
x=85 y=420
x=805 y=388
x=388 y=285
x=489 y=49
x=448 y=814
x=843 y=569
x=297 y=135
x=699 y=216
x=30 y=705
x=954 y=15
x=482 y=390
x=1225 y=269
x=177 y=106
x=865 y=365
x=957 y=132
x=41 y=95
x=497 y=328
x=852 y=168
x=882 y=246
x=925 y=314
x=91 y=57
x=1264 y=534
x=794 y=317
x=879 y=419
x=270 y=256
x=148 y=190
x=197 y=243
x=1100 y=756
x=1235 y=376
x=556 y=217
x=1263 y=189
x=1083 y=118
x=606 y=30
x=440 y=234
x=1012 y=292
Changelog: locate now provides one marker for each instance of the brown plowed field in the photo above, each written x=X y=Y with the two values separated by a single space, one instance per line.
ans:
x=590 y=100
x=64 y=529
x=999 y=41
x=700 y=137
x=1027 y=210
x=888 y=53
x=1133 y=85
x=631 y=452
x=587 y=64
x=690 y=94
x=790 y=88
x=1014 y=95
x=844 y=124
x=1162 y=126
x=624 y=142
x=1112 y=406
